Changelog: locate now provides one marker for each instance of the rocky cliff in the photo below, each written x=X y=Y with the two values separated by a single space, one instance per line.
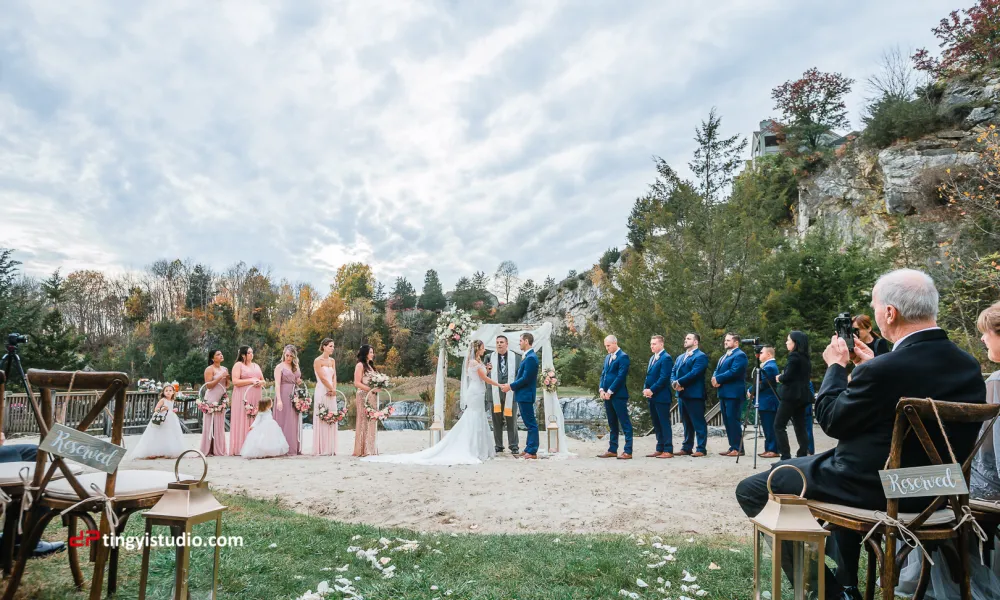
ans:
x=864 y=189
x=571 y=304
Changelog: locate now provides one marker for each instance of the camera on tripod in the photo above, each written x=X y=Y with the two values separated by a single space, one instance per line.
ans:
x=14 y=339
x=843 y=324
x=757 y=344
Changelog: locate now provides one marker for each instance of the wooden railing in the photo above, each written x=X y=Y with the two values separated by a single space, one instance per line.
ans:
x=71 y=408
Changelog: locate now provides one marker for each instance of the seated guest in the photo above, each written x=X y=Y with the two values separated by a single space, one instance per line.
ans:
x=27 y=453
x=860 y=414
x=985 y=481
x=875 y=342
x=767 y=402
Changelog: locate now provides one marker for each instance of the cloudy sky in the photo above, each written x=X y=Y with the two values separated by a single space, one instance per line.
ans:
x=447 y=134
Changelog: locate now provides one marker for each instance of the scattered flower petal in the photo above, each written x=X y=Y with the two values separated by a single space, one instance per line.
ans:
x=714 y=567
x=641 y=583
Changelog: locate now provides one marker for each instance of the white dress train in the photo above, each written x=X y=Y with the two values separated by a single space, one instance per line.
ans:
x=469 y=442
x=165 y=439
x=265 y=438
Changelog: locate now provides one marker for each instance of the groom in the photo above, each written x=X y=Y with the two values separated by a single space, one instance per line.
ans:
x=525 y=385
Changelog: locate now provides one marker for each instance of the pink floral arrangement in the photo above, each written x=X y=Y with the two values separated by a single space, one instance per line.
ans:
x=330 y=416
x=550 y=380
x=379 y=414
x=301 y=401
x=251 y=409
x=212 y=407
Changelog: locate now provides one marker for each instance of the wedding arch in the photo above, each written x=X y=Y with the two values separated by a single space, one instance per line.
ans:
x=542 y=334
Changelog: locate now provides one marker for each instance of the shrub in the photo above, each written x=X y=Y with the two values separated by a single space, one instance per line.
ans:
x=571 y=284
x=610 y=257
x=892 y=119
x=542 y=295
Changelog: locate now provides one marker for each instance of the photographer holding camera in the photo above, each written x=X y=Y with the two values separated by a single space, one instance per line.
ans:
x=860 y=414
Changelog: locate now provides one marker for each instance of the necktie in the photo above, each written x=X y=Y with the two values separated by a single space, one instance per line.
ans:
x=503 y=367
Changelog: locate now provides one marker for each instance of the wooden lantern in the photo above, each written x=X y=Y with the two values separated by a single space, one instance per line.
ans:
x=552 y=431
x=185 y=504
x=436 y=430
x=787 y=538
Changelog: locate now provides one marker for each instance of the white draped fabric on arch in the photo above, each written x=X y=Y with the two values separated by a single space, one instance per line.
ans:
x=543 y=346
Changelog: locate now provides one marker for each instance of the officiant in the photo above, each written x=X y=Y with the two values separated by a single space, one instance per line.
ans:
x=502 y=365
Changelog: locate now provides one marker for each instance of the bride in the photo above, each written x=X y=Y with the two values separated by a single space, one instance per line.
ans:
x=469 y=442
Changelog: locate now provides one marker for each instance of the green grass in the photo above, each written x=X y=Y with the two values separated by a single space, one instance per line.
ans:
x=471 y=566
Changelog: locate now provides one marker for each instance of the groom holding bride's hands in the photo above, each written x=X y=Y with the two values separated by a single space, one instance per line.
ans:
x=525 y=387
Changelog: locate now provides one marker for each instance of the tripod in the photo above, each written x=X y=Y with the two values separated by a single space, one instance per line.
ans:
x=11 y=364
x=756 y=416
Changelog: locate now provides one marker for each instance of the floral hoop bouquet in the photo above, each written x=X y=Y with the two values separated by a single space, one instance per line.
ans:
x=251 y=409
x=211 y=407
x=550 y=380
x=453 y=330
x=301 y=401
x=380 y=414
x=331 y=416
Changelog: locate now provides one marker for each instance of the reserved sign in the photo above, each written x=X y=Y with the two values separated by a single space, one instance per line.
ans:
x=933 y=480
x=82 y=448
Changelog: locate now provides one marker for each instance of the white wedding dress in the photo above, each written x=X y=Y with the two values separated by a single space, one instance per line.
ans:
x=469 y=442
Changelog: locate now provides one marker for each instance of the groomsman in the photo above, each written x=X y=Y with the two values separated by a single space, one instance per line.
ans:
x=657 y=393
x=615 y=395
x=767 y=401
x=729 y=379
x=688 y=378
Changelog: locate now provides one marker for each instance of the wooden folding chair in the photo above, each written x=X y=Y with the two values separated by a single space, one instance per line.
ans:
x=115 y=496
x=933 y=525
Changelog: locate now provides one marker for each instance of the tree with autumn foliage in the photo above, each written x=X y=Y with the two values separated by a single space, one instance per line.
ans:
x=812 y=106
x=969 y=40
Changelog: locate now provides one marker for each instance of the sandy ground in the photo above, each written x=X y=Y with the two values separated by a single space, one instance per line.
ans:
x=580 y=494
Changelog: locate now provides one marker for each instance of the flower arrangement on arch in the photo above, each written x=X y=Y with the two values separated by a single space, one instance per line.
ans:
x=453 y=330
x=550 y=380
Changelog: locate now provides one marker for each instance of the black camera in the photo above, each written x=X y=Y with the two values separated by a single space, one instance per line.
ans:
x=843 y=324
x=14 y=339
x=755 y=342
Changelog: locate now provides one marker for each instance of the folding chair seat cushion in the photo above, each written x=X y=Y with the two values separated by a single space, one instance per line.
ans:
x=130 y=485
x=985 y=506
x=10 y=473
x=940 y=517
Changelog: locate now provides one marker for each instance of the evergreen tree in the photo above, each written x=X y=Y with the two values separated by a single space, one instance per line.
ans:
x=379 y=297
x=432 y=296
x=549 y=282
x=200 y=290
x=403 y=295
x=480 y=281
x=716 y=159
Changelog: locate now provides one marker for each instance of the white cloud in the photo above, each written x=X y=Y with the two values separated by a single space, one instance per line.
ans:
x=305 y=134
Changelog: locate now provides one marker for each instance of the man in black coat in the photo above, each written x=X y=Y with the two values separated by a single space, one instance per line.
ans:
x=860 y=414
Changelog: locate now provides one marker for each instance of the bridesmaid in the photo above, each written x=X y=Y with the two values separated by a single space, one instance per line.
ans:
x=324 y=435
x=213 y=428
x=248 y=382
x=364 y=428
x=286 y=376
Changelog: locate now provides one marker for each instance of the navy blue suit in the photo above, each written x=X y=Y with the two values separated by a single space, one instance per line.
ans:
x=525 y=386
x=658 y=382
x=613 y=379
x=767 y=404
x=689 y=372
x=730 y=374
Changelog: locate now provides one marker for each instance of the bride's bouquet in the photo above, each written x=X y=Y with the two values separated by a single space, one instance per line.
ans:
x=550 y=380
x=454 y=327
x=379 y=380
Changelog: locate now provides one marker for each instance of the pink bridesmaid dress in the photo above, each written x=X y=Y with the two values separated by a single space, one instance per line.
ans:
x=287 y=417
x=324 y=435
x=213 y=429
x=239 y=422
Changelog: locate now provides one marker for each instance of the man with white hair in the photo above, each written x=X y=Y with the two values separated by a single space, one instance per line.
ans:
x=614 y=392
x=860 y=413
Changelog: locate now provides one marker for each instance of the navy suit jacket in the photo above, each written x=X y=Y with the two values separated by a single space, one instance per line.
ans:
x=658 y=378
x=768 y=399
x=689 y=372
x=614 y=374
x=526 y=383
x=731 y=374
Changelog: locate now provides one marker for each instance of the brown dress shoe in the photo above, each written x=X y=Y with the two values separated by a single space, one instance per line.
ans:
x=682 y=453
x=726 y=453
x=732 y=453
x=625 y=456
x=653 y=455
x=607 y=455
x=664 y=455
x=770 y=455
x=529 y=456
x=697 y=454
